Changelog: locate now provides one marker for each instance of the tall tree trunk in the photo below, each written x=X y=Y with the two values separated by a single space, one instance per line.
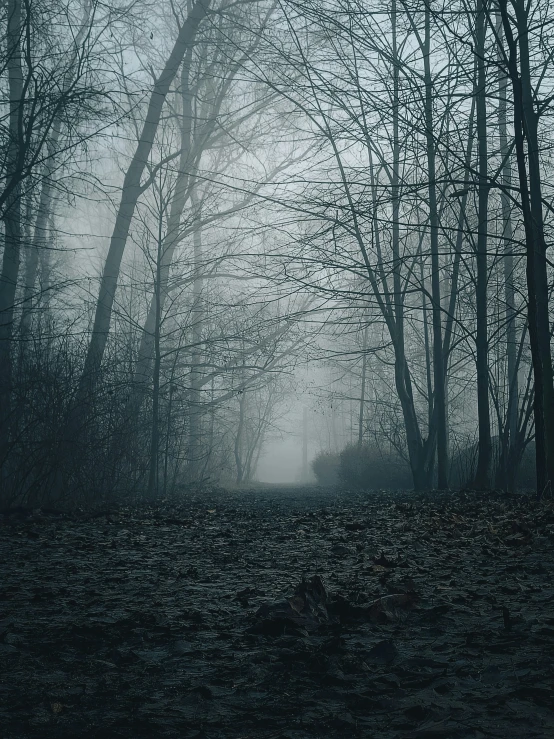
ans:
x=256 y=457
x=143 y=370
x=45 y=259
x=11 y=215
x=197 y=320
x=508 y=455
x=419 y=449
x=238 y=438
x=483 y=411
x=167 y=438
x=448 y=329
x=426 y=344
x=398 y=298
x=526 y=129
x=130 y=194
x=530 y=125
x=155 y=427
x=362 y=390
x=439 y=405
x=305 y=470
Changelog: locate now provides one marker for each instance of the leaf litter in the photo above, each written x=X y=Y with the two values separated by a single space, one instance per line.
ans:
x=276 y=613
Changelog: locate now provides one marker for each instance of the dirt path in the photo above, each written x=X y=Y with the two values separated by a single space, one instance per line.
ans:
x=141 y=622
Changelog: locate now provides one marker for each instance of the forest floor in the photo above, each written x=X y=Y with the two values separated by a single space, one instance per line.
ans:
x=433 y=617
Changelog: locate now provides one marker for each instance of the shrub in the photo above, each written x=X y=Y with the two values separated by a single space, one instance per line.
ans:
x=371 y=468
x=326 y=468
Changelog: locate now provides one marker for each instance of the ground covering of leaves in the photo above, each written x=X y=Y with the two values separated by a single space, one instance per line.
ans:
x=191 y=619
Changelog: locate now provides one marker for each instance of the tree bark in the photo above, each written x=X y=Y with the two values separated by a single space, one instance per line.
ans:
x=11 y=215
x=526 y=129
x=305 y=470
x=362 y=390
x=238 y=438
x=155 y=427
x=483 y=411
x=438 y=356
x=508 y=456
x=197 y=320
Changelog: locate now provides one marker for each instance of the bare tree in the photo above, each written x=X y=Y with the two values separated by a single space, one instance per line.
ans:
x=130 y=192
x=527 y=146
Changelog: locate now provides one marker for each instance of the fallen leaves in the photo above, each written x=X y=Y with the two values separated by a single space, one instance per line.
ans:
x=390 y=607
x=384 y=562
x=383 y=652
x=303 y=612
x=281 y=614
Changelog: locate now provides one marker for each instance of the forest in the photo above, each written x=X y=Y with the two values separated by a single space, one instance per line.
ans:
x=214 y=212
x=276 y=375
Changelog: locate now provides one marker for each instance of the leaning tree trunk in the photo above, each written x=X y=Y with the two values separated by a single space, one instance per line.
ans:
x=130 y=194
x=131 y=190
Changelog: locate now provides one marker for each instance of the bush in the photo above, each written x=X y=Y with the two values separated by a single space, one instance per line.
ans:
x=326 y=468
x=371 y=468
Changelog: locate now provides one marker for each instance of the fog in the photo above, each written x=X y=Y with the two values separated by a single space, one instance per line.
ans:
x=292 y=243
x=281 y=462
